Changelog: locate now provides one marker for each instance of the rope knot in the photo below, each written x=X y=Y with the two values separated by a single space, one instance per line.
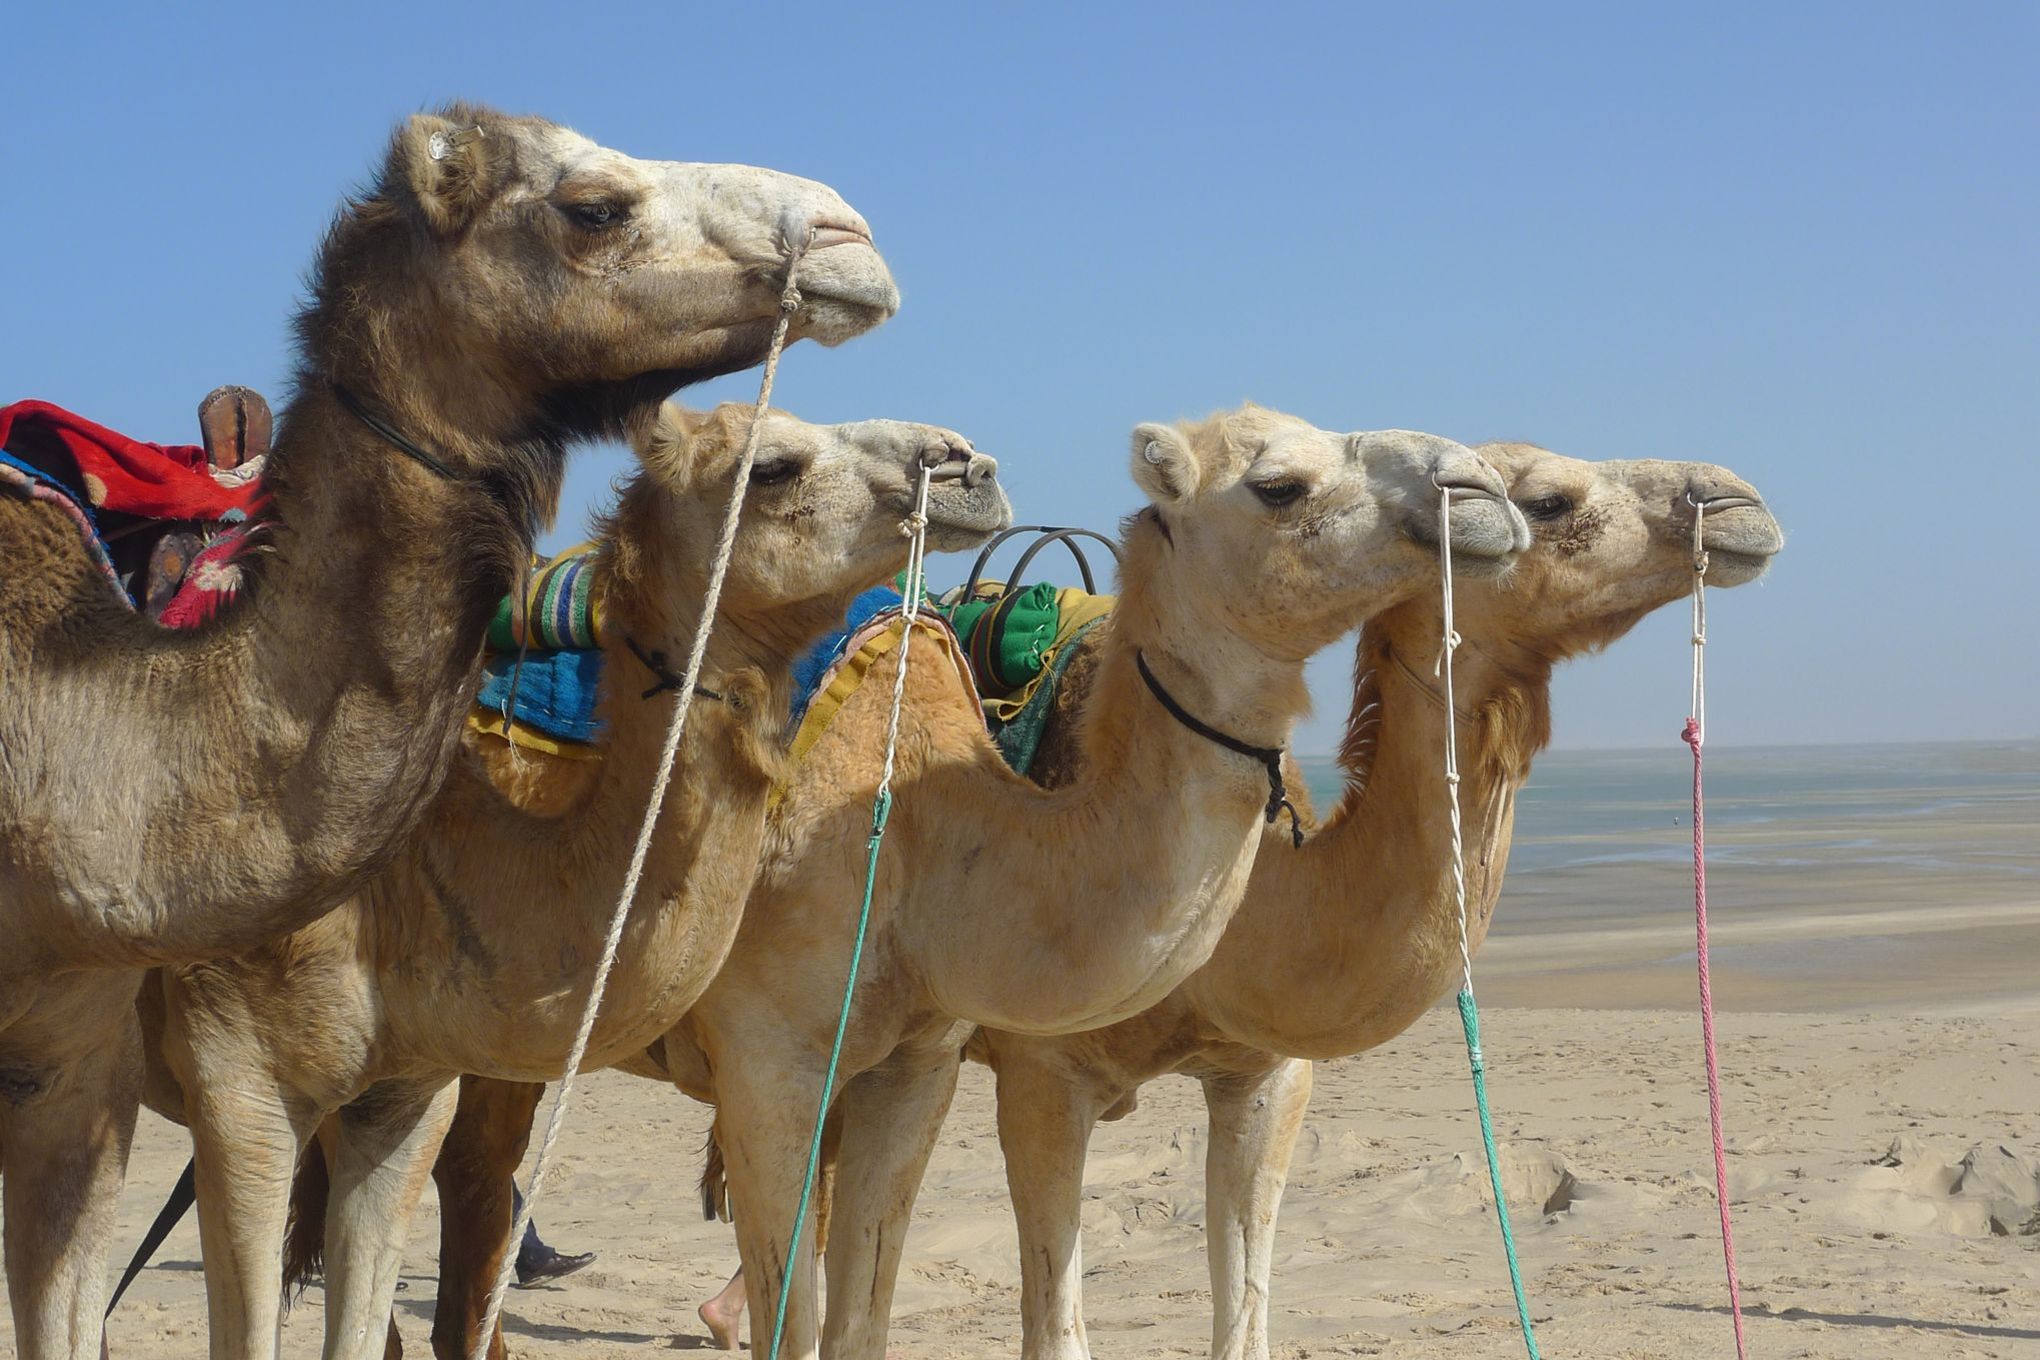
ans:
x=914 y=525
x=1691 y=734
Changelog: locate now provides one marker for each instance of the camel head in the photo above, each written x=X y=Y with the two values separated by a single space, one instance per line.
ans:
x=1298 y=534
x=1613 y=541
x=822 y=514
x=512 y=280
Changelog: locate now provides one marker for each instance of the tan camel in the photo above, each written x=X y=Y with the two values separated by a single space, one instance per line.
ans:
x=506 y=287
x=473 y=952
x=1341 y=946
x=1264 y=540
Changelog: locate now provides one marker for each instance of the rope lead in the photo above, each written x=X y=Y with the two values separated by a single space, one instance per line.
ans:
x=1695 y=736
x=1469 y=1013
x=916 y=527
x=789 y=302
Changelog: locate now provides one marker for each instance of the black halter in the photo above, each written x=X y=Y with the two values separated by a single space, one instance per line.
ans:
x=490 y=486
x=1271 y=756
x=655 y=662
x=394 y=437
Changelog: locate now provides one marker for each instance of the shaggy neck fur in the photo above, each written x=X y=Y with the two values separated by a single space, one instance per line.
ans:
x=1308 y=968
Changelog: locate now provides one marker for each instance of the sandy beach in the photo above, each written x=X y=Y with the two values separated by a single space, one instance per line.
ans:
x=1880 y=1027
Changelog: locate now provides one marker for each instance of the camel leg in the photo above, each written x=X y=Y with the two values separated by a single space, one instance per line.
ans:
x=476 y=1166
x=1254 y=1123
x=891 y=1116
x=767 y=1118
x=388 y=1137
x=63 y=1156
x=245 y=1139
x=1045 y=1124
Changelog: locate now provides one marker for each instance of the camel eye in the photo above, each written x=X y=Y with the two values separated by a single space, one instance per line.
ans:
x=773 y=474
x=1278 y=492
x=1546 y=507
x=595 y=216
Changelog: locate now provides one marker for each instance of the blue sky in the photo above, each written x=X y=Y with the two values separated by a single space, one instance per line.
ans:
x=1798 y=240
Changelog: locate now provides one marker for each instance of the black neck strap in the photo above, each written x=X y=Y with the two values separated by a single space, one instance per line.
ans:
x=1270 y=756
x=394 y=437
x=655 y=662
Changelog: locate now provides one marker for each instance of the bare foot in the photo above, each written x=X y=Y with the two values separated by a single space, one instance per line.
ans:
x=723 y=1315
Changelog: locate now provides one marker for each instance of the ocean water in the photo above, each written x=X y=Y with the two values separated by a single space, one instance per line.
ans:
x=1811 y=802
x=1897 y=877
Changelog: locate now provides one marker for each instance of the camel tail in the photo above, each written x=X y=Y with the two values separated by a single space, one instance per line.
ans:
x=304 y=1242
x=715 y=1183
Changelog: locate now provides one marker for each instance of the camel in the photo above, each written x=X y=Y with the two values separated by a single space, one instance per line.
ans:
x=1263 y=539
x=474 y=949
x=1341 y=946
x=504 y=288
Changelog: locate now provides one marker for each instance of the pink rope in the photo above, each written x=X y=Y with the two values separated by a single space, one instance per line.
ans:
x=1693 y=739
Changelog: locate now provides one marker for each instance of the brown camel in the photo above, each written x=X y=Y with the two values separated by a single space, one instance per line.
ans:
x=1264 y=539
x=474 y=950
x=1341 y=946
x=504 y=288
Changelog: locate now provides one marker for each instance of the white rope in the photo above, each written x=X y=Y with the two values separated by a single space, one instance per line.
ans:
x=1449 y=644
x=915 y=527
x=1699 y=709
x=789 y=302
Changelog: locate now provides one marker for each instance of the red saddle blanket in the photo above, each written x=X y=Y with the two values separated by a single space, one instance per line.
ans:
x=110 y=485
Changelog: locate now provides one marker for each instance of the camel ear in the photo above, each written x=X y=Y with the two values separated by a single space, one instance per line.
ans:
x=1163 y=463
x=453 y=169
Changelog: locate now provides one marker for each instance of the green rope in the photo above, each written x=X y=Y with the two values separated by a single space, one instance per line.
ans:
x=881 y=810
x=913 y=587
x=1469 y=1020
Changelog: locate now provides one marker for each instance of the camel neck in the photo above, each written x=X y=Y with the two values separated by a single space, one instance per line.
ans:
x=1121 y=880
x=1339 y=944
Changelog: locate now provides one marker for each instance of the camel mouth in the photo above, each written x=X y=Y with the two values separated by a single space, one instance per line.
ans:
x=1487 y=530
x=965 y=514
x=845 y=287
x=1740 y=537
x=1733 y=567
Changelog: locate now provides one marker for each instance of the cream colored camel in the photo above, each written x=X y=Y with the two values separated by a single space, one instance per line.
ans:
x=999 y=903
x=505 y=288
x=1341 y=946
x=473 y=952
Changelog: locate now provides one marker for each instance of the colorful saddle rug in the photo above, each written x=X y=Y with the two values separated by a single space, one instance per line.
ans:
x=540 y=687
x=1012 y=649
x=110 y=486
x=1019 y=644
x=560 y=608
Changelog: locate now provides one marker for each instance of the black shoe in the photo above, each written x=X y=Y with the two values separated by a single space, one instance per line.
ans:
x=552 y=1267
